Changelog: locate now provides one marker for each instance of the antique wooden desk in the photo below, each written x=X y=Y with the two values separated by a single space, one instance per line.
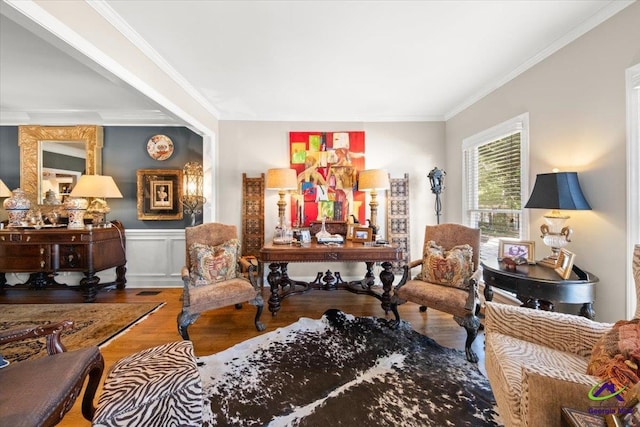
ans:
x=282 y=286
x=46 y=251
x=540 y=287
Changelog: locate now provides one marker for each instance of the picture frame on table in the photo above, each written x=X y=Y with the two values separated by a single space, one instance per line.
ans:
x=305 y=236
x=159 y=194
x=564 y=264
x=350 y=228
x=517 y=249
x=361 y=234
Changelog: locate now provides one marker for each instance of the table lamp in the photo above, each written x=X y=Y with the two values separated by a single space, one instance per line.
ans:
x=373 y=180
x=100 y=187
x=556 y=191
x=283 y=180
x=192 y=190
x=4 y=190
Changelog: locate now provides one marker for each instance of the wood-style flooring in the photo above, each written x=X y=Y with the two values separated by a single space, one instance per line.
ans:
x=220 y=329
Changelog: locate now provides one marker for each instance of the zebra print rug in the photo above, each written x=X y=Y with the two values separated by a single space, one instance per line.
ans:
x=344 y=370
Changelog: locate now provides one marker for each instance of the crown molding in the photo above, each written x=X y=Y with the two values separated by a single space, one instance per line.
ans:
x=598 y=18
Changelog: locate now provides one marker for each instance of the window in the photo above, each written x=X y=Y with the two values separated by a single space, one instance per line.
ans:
x=495 y=183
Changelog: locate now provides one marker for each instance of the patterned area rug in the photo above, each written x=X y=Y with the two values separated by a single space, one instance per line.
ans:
x=344 y=370
x=94 y=324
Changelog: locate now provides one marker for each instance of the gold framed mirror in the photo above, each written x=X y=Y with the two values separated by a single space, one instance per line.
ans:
x=32 y=139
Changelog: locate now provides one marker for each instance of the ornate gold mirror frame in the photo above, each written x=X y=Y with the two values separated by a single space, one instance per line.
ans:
x=30 y=138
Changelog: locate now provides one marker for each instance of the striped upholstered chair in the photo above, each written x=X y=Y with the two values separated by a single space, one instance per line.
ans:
x=537 y=360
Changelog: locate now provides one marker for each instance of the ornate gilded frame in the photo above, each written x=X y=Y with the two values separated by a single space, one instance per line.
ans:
x=147 y=182
x=29 y=138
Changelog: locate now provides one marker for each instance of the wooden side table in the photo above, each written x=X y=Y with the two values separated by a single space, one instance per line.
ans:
x=541 y=287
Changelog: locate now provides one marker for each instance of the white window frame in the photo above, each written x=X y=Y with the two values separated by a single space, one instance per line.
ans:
x=520 y=124
x=633 y=178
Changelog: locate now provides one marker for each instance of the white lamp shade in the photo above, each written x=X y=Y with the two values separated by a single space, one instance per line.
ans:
x=4 y=190
x=282 y=179
x=373 y=179
x=102 y=186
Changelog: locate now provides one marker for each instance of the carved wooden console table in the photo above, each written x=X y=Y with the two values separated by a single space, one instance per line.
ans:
x=46 y=251
x=282 y=286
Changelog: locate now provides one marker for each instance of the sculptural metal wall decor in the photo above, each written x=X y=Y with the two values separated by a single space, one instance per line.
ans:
x=436 y=179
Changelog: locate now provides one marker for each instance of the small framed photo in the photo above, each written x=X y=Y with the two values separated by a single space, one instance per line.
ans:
x=350 y=228
x=361 y=234
x=159 y=194
x=305 y=236
x=514 y=249
x=564 y=264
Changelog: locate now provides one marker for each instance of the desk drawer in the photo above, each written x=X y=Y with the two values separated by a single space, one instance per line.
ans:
x=502 y=282
x=25 y=258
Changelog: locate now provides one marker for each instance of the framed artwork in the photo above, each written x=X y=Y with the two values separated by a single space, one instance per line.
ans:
x=517 y=249
x=361 y=234
x=564 y=264
x=159 y=194
x=327 y=164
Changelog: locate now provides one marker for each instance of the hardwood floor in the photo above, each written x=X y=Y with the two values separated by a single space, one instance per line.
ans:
x=220 y=329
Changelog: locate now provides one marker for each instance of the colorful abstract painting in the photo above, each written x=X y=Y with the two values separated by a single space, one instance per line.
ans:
x=327 y=164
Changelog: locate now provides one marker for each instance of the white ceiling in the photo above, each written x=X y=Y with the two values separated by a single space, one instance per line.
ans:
x=293 y=60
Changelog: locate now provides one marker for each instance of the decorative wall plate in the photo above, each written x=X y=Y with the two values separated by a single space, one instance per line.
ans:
x=160 y=147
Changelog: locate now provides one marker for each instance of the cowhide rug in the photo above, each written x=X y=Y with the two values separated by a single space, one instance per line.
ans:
x=348 y=371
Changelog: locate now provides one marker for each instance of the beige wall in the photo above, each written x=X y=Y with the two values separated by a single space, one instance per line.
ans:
x=576 y=101
x=254 y=147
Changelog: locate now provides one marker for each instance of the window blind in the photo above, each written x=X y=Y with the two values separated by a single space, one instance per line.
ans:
x=494 y=194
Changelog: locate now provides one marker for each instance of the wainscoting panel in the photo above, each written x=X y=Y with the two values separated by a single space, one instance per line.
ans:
x=155 y=258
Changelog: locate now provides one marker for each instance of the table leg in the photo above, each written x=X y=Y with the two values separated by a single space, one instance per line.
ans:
x=273 y=278
x=369 y=277
x=121 y=280
x=488 y=292
x=386 y=277
x=89 y=286
x=587 y=311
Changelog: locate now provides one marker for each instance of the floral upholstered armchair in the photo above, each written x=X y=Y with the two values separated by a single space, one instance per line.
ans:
x=449 y=278
x=212 y=275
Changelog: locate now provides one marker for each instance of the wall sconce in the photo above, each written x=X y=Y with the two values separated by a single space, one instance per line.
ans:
x=373 y=180
x=555 y=191
x=436 y=179
x=192 y=190
x=283 y=180
x=100 y=187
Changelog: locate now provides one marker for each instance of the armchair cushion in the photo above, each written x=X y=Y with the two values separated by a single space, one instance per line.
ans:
x=212 y=264
x=451 y=268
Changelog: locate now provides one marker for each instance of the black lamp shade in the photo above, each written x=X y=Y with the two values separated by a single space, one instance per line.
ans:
x=558 y=191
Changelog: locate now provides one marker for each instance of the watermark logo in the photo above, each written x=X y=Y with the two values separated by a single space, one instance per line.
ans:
x=606 y=390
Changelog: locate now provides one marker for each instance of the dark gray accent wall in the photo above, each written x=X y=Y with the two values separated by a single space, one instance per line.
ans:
x=124 y=152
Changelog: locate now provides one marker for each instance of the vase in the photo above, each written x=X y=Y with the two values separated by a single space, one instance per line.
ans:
x=17 y=207
x=76 y=207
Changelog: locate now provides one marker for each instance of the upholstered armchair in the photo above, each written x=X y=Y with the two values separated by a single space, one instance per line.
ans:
x=449 y=278
x=212 y=275
x=538 y=361
x=39 y=392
